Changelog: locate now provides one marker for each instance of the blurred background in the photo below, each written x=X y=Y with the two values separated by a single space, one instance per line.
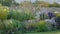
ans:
x=29 y=16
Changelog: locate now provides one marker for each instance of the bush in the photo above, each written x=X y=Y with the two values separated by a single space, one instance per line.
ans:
x=28 y=26
x=21 y=16
x=58 y=15
x=52 y=24
x=42 y=26
x=57 y=19
x=3 y=12
x=10 y=27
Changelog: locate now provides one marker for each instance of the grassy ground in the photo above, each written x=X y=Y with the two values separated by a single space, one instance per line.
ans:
x=53 y=32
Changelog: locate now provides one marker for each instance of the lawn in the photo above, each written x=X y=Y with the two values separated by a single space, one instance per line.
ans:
x=53 y=32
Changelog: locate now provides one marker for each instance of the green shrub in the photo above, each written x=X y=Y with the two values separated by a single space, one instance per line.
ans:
x=57 y=19
x=28 y=26
x=10 y=26
x=21 y=16
x=58 y=15
x=41 y=26
x=3 y=12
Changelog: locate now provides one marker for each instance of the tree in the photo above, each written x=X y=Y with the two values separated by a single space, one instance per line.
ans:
x=55 y=4
x=41 y=4
x=6 y=2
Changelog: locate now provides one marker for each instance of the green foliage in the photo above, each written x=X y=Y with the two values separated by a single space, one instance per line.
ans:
x=6 y=2
x=3 y=12
x=41 y=26
x=58 y=15
x=57 y=19
x=10 y=27
x=45 y=4
x=55 y=4
x=21 y=16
